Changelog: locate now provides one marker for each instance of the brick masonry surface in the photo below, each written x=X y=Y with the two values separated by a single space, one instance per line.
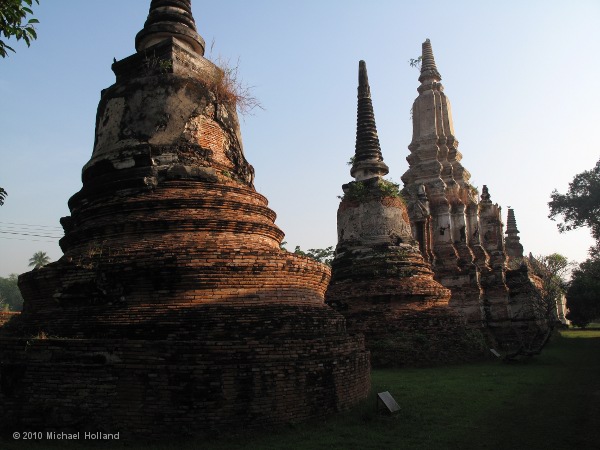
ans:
x=173 y=310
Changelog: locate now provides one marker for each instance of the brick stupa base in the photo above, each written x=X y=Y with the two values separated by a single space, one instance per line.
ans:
x=173 y=310
x=387 y=292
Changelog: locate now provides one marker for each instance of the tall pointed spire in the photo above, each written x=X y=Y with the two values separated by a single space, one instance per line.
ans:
x=512 y=243
x=170 y=18
x=511 y=223
x=428 y=68
x=368 y=160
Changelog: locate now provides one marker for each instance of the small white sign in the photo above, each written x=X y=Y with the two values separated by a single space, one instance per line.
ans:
x=389 y=402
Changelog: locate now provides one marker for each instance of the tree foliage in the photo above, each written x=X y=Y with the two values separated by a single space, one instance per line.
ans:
x=553 y=270
x=580 y=206
x=3 y=195
x=583 y=296
x=10 y=296
x=13 y=15
x=323 y=255
x=38 y=260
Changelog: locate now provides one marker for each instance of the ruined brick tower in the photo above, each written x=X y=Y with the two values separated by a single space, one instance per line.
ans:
x=460 y=234
x=380 y=281
x=173 y=309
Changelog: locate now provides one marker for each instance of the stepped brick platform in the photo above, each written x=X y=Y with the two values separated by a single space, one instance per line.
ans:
x=173 y=310
x=380 y=281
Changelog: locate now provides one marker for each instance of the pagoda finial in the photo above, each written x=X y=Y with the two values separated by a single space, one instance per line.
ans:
x=364 y=90
x=512 y=243
x=170 y=18
x=511 y=225
x=368 y=161
x=485 y=195
x=428 y=68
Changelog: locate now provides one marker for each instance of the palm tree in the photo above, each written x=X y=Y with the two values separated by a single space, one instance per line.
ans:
x=39 y=259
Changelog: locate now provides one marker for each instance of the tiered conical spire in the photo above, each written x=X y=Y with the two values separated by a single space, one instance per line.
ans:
x=368 y=160
x=170 y=18
x=428 y=67
x=512 y=243
x=511 y=223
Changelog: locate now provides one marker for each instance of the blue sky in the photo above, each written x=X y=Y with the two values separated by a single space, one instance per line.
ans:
x=521 y=77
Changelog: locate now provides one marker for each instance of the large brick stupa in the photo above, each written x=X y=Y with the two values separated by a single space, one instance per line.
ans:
x=173 y=308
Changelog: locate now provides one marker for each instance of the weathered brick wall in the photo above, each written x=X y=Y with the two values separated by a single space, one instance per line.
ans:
x=173 y=309
x=153 y=388
x=402 y=334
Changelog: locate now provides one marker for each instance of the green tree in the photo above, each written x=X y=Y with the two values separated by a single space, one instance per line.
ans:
x=10 y=295
x=323 y=255
x=39 y=259
x=553 y=270
x=583 y=296
x=13 y=16
x=3 y=305
x=3 y=195
x=580 y=206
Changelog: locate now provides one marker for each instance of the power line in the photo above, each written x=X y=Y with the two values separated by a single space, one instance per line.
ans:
x=28 y=234
x=50 y=233
x=31 y=225
x=27 y=229
x=28 y=240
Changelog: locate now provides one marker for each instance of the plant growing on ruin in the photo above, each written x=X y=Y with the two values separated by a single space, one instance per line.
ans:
x=388 y=188
x=416 y=62
x=229 y=88
x=356 y=191
x=12 y=23
x=361 y=191
x=155 y=64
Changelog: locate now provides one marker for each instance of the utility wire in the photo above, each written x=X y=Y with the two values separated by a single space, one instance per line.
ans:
x=28 y=240
x=28 y=230
x=28 y=234
x=31 y=225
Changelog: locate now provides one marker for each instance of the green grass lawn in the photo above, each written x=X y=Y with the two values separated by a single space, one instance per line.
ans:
x=550 y=402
